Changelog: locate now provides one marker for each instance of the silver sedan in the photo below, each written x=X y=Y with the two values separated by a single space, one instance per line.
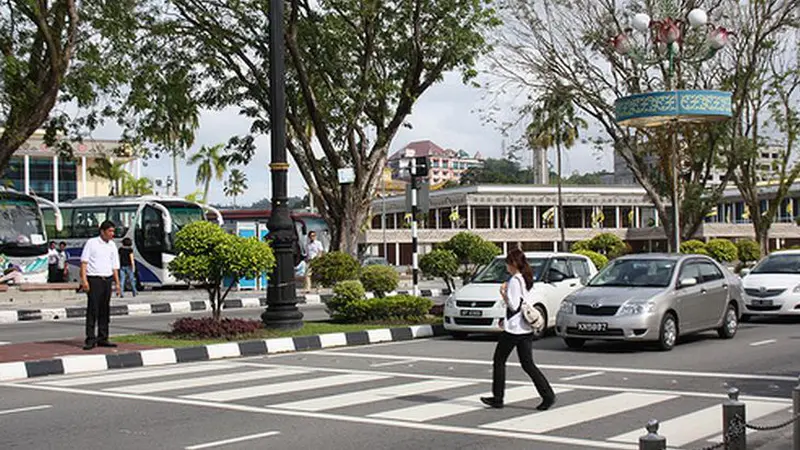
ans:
x=653 y=297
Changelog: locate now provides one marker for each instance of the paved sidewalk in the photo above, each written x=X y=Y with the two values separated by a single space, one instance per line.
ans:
x=33 y=351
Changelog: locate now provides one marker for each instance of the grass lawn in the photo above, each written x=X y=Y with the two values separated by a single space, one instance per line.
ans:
x=308 y=329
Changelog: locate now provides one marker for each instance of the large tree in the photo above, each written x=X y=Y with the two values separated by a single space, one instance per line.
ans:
x=355 y=70
x=568 y=42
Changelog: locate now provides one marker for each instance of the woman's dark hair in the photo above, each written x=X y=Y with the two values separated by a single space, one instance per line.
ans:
x=517 y=259
x=127 y=242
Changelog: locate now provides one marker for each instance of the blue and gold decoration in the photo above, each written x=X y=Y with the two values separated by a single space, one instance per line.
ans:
x=655 y=109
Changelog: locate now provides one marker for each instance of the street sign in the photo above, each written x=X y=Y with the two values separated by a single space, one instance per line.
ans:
x=346 y=175
x=423 y=198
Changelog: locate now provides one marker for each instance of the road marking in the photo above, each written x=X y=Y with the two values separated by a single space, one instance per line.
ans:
x=29 y=408
x=372 y=395
x=284 y=388
x=527 y=383
x=768 y=341
x=636 y=370
x=694 y=426
x=452 y=407
x=581 y=376
x=393 y=363
x=137 y=375
x=149 y=388
x=574 y=442
x=564 y=416
x=5 y=343
x=233 y=441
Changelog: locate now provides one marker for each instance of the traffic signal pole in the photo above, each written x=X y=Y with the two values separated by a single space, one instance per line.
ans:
x=414 y=240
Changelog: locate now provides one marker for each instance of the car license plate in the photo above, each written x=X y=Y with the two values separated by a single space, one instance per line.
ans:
x=762 y=302
x=471 y=313
x=592 y=326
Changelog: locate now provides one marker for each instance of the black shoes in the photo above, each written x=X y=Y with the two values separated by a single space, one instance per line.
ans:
x=106 y=344
x=493 y=402
x=88 y=346
x=546 y=404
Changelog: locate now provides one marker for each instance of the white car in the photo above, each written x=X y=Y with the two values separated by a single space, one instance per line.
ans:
x=478 y=308
x=772 y=287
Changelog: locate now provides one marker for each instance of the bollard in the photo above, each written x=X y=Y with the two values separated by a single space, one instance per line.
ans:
x=733 y=422
x=796 y=411
x=652 y=441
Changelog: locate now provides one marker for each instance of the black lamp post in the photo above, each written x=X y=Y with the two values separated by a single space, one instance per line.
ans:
x=281 y=310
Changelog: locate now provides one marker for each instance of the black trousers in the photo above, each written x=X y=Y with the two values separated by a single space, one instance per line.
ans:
x=524 y=345
x=98 y=309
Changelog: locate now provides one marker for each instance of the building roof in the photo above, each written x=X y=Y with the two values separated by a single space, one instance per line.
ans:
x=429 y=148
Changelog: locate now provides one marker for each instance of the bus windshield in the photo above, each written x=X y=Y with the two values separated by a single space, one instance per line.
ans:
x=183 y=214
x=21 y=226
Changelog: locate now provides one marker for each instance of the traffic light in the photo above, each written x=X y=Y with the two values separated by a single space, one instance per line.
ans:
x=421 y=163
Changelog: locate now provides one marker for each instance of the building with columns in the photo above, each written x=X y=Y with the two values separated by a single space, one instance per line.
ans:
x=36 y=168
x=526 y=216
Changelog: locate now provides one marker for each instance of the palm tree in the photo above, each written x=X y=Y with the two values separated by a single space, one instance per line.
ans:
x=136 y=186
x=555 y=124
x=211 y=164
x=236 y=184
x=111 y=171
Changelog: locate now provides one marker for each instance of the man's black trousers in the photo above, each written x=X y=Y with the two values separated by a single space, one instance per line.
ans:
x=98 y=309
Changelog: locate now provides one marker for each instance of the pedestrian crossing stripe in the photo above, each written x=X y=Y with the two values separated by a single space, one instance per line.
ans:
x=680 y=430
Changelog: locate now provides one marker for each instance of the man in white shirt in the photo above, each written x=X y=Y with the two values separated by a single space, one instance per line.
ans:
x=52 y=263
x=313 y=249
x=99 y=263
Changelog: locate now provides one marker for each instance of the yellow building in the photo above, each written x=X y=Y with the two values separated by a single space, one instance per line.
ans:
x=36 y=168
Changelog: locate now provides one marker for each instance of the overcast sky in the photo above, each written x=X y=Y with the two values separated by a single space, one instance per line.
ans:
x=447 y=114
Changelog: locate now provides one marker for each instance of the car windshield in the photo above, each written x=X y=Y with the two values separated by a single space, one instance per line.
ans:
x=779 y=264
x=496 y=271
x=636 y=273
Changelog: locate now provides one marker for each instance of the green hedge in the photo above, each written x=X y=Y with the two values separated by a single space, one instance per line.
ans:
x=379 y=279
x=345 y=292
x=599 y=260
x=749 y=250
x=397 y=307
x=694 y=247
x=722 y=250
x=333 y=267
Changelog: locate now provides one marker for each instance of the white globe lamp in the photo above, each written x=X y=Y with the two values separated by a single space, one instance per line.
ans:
x=641 y=22
x=698 y=18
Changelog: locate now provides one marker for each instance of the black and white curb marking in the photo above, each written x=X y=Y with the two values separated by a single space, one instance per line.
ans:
x=146 y=309
x=164 y=356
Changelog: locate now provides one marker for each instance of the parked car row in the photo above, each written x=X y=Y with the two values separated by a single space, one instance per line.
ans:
x=644 y=297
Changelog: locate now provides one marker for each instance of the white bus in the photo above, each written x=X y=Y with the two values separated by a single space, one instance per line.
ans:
x=149 y=221
x=23 y=237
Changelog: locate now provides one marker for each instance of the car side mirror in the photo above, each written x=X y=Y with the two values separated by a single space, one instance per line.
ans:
x=687 y=282
x=554 y=276
x=744 y=272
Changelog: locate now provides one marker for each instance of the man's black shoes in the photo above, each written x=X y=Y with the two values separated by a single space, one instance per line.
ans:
x=106 y=344
x=493 y=402
x=88 y=346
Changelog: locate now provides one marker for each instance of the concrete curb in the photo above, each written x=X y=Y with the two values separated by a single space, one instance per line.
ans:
x=165 y=356
x=146 y=309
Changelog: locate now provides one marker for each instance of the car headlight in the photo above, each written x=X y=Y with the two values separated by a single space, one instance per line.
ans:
x=567 y=307
x=634 y=309
x=450 y=302
x=796 y=289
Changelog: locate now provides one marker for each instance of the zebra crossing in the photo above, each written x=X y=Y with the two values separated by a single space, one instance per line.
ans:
x=589 y=415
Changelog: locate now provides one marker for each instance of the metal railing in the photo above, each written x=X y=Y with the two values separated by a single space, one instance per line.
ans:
x=734 y=426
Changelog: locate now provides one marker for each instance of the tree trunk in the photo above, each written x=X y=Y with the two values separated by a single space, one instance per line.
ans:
x=762 y=235
x=213 y=296
x=349 y=230
x=561 y=224
x=175 y=171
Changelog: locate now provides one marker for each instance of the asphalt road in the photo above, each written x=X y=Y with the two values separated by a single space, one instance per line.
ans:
x=419 y=394
x=70 y=328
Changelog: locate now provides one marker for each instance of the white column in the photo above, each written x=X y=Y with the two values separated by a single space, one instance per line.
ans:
x=505 y=247
x=27 y=183
x=139 y=172
x=536 y=221
x=556 y=218
x=437 y=217
x=55 y=179
x=514 y=217
x=555 y=246
x=655 y=217
x=619 y=219
x=396 y=253
x=636 y=214
x=583 y=217
x=491 y=217
x=469 y=217
x=394 y=218
x=84 y=186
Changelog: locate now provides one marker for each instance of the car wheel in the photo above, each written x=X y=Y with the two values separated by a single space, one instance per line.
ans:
x=574 y=342
x=668 y=334
x=541 y=332
x=746 y=318
x=729 y=324
x=458 y=334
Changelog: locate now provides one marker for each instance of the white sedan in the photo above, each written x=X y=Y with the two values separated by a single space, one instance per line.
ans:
x=773 y=286
x=478 y=308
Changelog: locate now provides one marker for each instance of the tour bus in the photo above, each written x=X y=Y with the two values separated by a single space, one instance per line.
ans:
x=23 y=237
x=149 y=221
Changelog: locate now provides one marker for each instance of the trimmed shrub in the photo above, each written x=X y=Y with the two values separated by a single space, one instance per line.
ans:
x=749 y=250
x=581 y=246
x=333 y=267
x=379 y=279
x=599 y=260
x=609 y=245
x=694 y=247
x=345 y=292
x=396 y=307
x=440 y=264
x=208 y=327
x=722 y=250
x=472 y=252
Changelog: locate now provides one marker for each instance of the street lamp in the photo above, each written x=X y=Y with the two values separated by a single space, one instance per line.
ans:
x=281 y=309
x=648 y=43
